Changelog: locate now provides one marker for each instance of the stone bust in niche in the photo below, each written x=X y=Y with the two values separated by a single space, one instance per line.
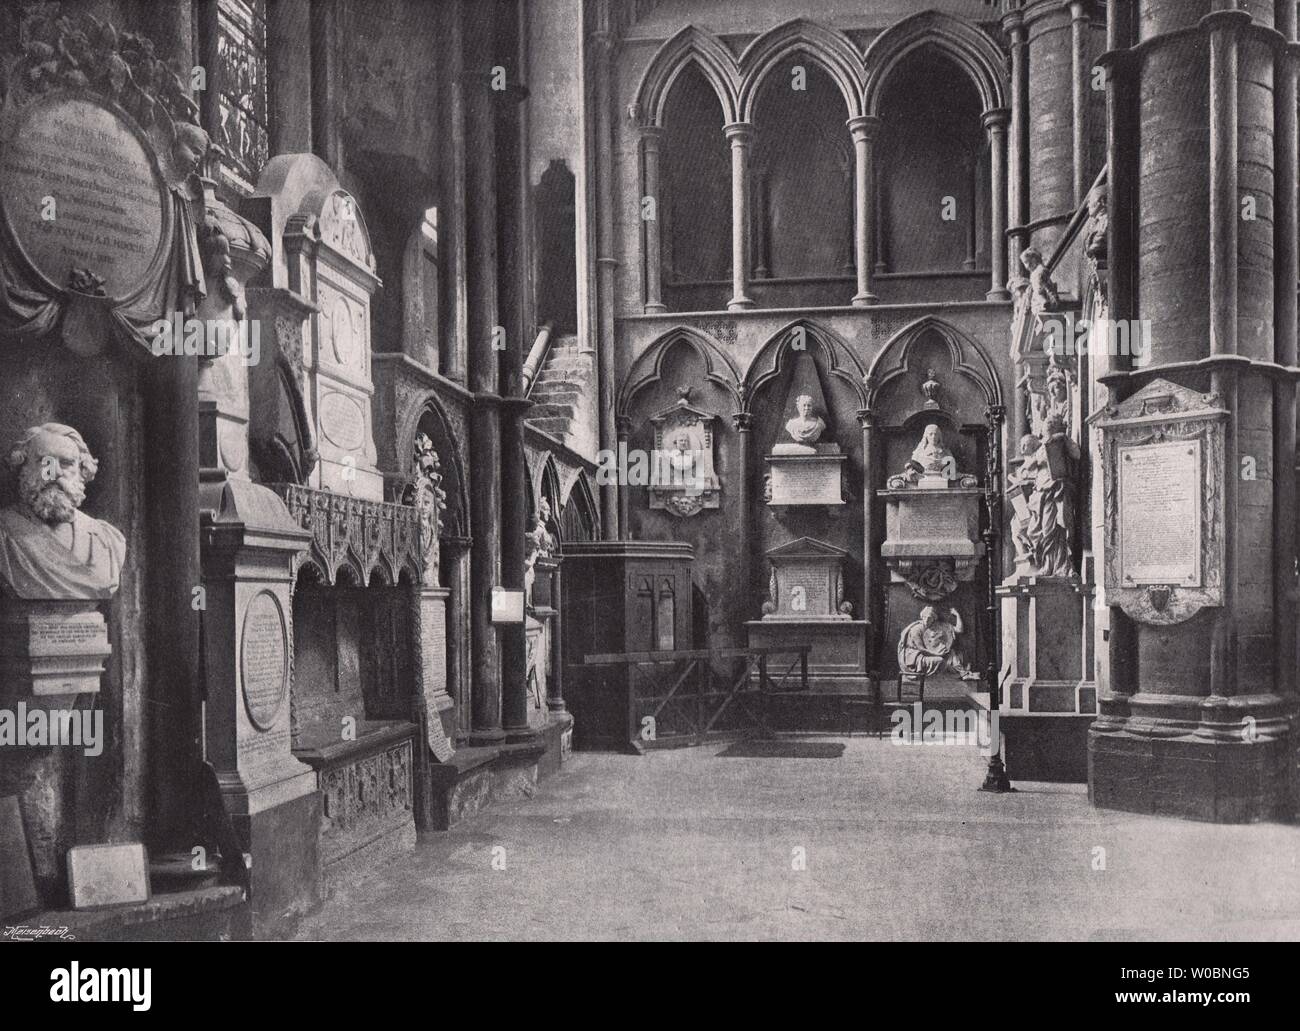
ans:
x=49 y=549
x=931 y=464
x=805 y=429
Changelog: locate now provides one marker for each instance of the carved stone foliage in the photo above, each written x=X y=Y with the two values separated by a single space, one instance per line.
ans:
x=1163 y=463
x=364 y=535
x=932 y=582
x=425 y=494
x=53 y=51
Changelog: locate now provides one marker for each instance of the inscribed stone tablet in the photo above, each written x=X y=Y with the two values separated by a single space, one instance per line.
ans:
x=265 y=652
x=80 y=191
x=1160 y=513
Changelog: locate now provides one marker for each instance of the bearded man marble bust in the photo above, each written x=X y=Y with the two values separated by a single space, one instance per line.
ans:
x=49 y=549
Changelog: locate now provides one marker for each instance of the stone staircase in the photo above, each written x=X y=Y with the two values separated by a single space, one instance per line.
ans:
x=561 y=389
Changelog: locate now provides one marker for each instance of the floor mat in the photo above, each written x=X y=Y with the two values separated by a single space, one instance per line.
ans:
x=782 y=749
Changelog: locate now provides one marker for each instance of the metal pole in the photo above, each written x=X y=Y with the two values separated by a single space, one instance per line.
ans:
x=996 y=778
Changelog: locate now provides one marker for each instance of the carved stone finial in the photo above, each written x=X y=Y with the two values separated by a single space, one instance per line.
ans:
x=930 y=389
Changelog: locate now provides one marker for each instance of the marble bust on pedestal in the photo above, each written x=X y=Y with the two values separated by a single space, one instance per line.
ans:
x=931 y=464
x=805 y=429
x=56 y=564
x=49 y=549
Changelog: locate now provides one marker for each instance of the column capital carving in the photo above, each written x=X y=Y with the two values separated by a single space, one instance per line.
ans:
x=623 y=426
x=650 y=133
x=996 y=118
x=864 y=127
x=743 y=421
x=739 y=132
x=866 y=418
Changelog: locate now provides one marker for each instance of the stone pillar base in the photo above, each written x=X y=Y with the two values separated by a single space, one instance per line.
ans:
x=1215 y=759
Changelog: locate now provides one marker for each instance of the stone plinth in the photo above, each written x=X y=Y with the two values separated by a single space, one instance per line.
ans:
x=806 y=606
x=1046 y=636
x=810 y=479
x=51 y=647
x=927 y=524
x=838 y=660
x=250 y=545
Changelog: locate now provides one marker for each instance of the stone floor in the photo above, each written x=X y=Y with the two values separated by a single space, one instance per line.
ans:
x=689 y=844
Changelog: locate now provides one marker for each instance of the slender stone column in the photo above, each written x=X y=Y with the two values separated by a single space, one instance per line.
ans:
x=452 y=255
x=1121 y=157
x=1018 y=144
x=288 y=76
x=744 y=422
x=650 y=136
x=865 y=129
x=485 y=424
x=1286 y=262
x=867 y=421
x=972 y=170
x=762 y=243
x=514 y=642
x=1223 y=314
x=623 y=427
x=1080 y=30
x=611 y=494
x=740 y=135
x=995 y=124
x=555 y=685
x=324 y=82
x=1049 y=99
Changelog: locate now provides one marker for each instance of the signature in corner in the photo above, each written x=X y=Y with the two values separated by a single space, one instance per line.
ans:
x=21 y=932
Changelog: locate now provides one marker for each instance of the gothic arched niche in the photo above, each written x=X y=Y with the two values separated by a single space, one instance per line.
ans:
x=684 y=365
x=805 y=358
x=931 y=373
x=455 y=518
x=933 y=168
x=802 y=180
x=695 y=201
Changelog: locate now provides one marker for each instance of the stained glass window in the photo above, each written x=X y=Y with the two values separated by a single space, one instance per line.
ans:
x=242 y=128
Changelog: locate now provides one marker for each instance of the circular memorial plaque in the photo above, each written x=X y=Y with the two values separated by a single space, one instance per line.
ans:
x=264 y=651
x=80 y=191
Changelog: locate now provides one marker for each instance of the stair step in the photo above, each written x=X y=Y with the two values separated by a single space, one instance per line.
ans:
x=557 y=395
x=544 y=411
x=555 y=427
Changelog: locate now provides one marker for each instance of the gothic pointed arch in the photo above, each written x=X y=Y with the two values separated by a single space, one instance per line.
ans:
x=690 y=45
x=649 y=365
x=428 y=417
x=972 y=49
x=802 y=334
x=831 y=51
x=900 y=357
